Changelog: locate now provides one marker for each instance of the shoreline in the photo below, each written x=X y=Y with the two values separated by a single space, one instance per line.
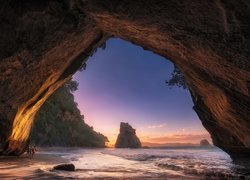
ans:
x=28 y=168
x=102 y=164
x=24 y=167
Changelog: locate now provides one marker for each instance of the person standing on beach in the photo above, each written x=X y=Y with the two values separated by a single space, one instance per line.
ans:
x=33 y=151
x=28 y=151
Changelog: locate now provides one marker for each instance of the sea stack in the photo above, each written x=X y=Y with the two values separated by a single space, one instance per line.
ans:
x=204 y=142
x=127 y=137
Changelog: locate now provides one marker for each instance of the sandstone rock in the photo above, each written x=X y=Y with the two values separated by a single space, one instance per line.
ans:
x=204 y=142
x=127 y=137
x=65 y=167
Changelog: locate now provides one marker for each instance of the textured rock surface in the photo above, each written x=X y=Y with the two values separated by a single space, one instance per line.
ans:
x=204 y=142
x=127 y=137
x=43 y=43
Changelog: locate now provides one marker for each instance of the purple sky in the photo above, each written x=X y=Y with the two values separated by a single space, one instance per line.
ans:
x=126 y=83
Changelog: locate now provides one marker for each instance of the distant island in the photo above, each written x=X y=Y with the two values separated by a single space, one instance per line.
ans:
x=60 y=123
x=127 y=137
x=204 y=142
x=162 y=145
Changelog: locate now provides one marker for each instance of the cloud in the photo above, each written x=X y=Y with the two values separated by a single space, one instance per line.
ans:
x=156 y=126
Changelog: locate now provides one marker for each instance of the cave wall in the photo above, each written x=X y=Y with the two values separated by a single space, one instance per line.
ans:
x=43 y=43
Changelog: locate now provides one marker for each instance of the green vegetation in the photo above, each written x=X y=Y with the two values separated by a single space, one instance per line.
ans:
x=60 y=123
x=177 y=79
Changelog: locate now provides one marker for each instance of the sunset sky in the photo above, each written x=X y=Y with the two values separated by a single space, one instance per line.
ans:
x=125 y=83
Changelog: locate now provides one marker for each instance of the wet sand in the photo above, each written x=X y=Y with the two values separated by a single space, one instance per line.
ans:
x=27 y=168
x=111 y=164
x=24 y=167
x=38 y=167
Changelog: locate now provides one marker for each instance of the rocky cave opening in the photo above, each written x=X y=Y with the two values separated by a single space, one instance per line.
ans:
x=126 y=83
x=120 y=82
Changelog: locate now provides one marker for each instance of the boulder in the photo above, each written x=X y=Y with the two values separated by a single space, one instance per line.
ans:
x=65 y=167
x=127 y=137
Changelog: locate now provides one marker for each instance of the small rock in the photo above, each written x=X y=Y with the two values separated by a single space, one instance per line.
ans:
x=204 y=142
x=65 y=167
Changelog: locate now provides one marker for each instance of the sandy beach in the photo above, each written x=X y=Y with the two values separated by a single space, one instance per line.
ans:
x=40 y=166
x=25 y=167
x=137 y=164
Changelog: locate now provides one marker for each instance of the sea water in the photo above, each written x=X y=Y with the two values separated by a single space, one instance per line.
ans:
x=167 y=163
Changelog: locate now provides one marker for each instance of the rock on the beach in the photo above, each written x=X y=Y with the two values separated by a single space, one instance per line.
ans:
x=65 y=167
x=127 y=137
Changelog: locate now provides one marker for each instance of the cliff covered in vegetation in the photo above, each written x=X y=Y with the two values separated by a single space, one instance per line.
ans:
x=60 y=123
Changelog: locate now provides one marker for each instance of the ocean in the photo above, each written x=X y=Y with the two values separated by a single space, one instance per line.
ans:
x=167 y=163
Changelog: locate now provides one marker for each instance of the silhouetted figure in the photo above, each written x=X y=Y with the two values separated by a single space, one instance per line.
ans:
x=33 y=151
x=28 y=151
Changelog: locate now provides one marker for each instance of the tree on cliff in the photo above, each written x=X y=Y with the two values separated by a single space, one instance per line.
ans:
x=71 y=86
x=60 y=123
x=177 y=79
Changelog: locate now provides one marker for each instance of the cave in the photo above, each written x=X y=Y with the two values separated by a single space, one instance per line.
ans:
x=43 y=43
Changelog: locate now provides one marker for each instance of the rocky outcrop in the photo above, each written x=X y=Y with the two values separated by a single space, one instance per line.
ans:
x=204 y=142
x=42 y=43
x=65 y=167
x=127 y=137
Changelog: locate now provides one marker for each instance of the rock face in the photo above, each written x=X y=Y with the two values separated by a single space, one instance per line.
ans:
x=60 y=123
x=65 y=167
x=204 y=142
x=42 y=43
x=127 y=137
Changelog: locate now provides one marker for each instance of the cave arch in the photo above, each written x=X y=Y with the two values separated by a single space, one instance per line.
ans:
x=43 y=43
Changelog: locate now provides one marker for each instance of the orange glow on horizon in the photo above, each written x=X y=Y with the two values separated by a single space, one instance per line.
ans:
x=165 y=139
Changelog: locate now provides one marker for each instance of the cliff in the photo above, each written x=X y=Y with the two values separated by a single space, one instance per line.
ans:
x=59 y=123
x=127 y=137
